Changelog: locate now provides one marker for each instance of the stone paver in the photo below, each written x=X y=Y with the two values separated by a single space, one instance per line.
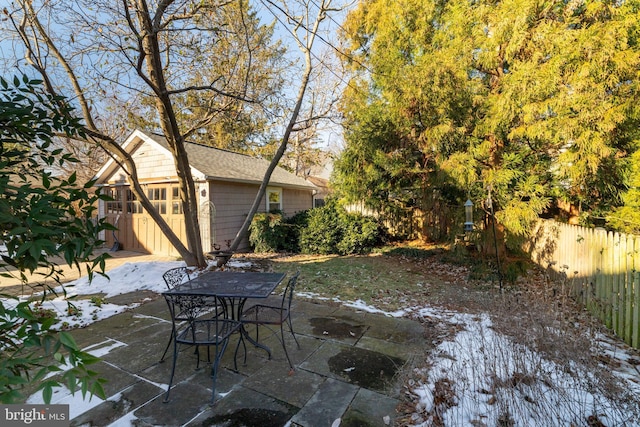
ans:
x=327 y=405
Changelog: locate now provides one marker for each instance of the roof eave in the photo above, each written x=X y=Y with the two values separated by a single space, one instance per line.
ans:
x=309 y=187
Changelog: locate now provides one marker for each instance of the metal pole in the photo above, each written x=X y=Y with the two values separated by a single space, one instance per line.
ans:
x=495 y=237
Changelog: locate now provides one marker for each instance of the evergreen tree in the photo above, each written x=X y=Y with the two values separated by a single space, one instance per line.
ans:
x=527 y=100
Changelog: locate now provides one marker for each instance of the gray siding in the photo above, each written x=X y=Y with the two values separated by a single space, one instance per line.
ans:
x=294 y=201
x=233 y=201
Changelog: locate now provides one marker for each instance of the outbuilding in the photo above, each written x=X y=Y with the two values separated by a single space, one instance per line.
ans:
x=226 y=185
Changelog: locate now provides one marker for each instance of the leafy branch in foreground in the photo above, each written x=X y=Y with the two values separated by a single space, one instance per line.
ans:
x=42 y=217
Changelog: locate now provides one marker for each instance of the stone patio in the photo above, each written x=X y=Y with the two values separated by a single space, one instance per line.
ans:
x=346 y=369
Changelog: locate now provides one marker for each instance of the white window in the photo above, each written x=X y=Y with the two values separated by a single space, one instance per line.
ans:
x=274 y=199
x=158 y=198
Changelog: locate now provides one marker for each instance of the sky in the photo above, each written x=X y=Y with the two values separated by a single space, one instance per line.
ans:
x=461 y=380
x=329 y=134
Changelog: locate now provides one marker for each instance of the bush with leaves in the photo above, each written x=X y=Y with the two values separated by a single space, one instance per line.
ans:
x=271 y=232
x=265 y=232
x=359 y=234
x=42 y=216
x=332 y=230
x=291 y=230
x=322 y=234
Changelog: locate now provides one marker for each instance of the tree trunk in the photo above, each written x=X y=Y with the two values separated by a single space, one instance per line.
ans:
x=168 y=122
x=306 y=49
x=193 y=257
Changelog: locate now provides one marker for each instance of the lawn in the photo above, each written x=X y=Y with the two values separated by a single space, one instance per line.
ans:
x=391 y=278
x=512 y=353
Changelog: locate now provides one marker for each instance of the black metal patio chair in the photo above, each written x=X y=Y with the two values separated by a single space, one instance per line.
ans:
x=176 y=276
x=199 y=332
x=190 y=307
x=271 y=316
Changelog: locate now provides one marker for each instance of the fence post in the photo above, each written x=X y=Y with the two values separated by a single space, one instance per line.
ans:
x=635 y=332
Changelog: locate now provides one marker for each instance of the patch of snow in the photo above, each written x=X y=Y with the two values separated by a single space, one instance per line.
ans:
x=481 y=377
x=62 y=396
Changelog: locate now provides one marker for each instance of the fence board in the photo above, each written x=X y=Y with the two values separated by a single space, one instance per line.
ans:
x=628 y=310
x=608 y=276
x=615 y=294
x=582 y=257
x=601 y=241
x=602 y=270
x=635 y=299
x=635 y=333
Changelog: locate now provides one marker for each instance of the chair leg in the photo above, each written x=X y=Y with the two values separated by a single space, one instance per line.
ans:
x=173 y=370
x=167 y=347
x=214 y=368
x=169 y=344
x=198 y=357
x=293 y=333
x=284 y=347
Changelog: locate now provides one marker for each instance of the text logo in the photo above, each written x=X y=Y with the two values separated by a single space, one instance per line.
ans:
x=34 y=415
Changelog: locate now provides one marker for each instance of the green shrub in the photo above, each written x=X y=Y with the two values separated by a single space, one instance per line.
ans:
x=273 y=233
x=291 y=230
x=326 y=230
x=359 y=234
x=322 y=234
x=332 y=230
x=266 y=233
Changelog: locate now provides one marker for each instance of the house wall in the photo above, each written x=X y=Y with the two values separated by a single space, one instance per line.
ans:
x=294 y=201
x=152 y=163
x=232 y=202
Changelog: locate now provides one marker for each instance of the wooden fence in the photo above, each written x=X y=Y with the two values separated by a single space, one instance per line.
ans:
x=602 y=269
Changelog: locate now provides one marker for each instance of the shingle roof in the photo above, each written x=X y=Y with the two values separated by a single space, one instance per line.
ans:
x=229 y=166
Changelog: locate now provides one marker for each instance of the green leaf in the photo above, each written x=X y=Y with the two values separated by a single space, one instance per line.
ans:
x=67 y=340
x=47 y=392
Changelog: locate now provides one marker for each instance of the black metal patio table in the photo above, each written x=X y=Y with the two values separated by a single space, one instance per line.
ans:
x=233 y=288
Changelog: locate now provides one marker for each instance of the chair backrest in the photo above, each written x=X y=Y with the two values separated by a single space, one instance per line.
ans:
x=190 y=307
x=287 y=296
x=175 y=276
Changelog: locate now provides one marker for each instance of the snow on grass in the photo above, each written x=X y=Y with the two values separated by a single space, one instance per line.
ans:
x=129 y=277
x=482 y=378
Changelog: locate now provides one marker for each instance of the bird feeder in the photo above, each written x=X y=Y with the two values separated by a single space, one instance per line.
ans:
x=468 y=215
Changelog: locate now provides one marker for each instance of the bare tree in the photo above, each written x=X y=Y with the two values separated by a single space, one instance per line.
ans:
x=303 y=20
x=142 y=49
x=131 y=51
